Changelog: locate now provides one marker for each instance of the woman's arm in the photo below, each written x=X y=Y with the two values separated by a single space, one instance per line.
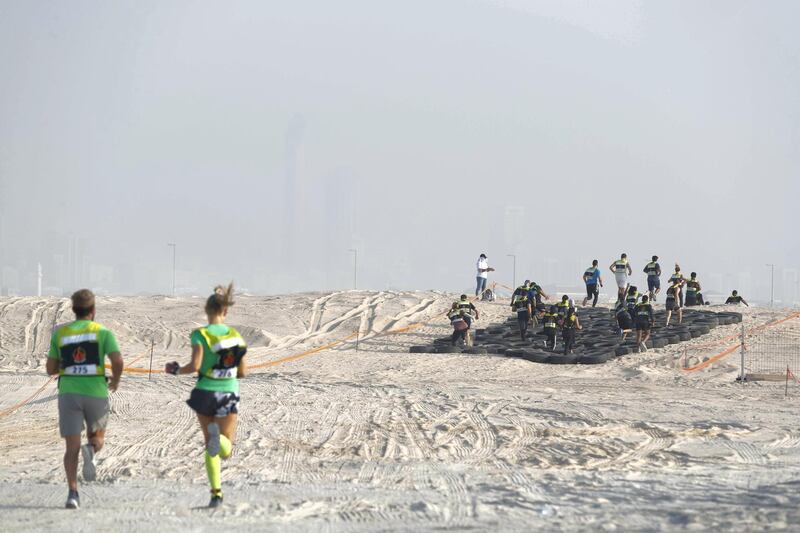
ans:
x=241 y=370
x=197 y=358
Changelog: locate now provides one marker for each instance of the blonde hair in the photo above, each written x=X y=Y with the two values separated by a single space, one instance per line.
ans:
x=221 y=300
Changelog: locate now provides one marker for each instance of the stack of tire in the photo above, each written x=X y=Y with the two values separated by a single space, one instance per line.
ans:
x=596 y=343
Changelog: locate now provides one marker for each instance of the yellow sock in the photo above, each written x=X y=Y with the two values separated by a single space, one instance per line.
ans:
x=213 y=471
x=225 y=447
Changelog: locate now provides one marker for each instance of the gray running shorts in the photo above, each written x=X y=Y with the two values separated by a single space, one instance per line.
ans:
x=75 y=409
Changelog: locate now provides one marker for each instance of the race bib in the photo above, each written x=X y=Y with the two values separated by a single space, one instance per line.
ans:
x=81 y=370
x=223 y=373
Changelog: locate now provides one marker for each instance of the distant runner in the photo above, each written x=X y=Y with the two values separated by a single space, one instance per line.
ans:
x=460 y=325
x=694 y=296
x=624 y=320
x=483 y=274
x=621 y=269
x=537 y=306
x=631 y=299
x=470 y=314
x=673 y=303
x=550 y=327
x=644 y=321
x=521 y=303
x=734 y=298
x=562 y=307
x=77 y=355
x=569 y=324
x=592 y=279
x=677 y=278
x=653 y=271
x=218 y=360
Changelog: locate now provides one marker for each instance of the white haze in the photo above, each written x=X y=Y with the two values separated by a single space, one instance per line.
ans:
x=421 y=133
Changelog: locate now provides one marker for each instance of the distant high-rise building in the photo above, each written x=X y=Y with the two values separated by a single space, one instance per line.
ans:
x=293 y=140
x=340 y=226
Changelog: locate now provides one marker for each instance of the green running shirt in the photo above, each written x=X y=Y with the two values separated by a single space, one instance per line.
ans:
x=94 y=386
x=210 y=359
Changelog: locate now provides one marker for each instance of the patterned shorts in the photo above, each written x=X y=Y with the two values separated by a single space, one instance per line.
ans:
x=211 y=403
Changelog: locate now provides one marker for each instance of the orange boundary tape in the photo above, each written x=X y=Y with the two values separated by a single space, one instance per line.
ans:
x=726 y=352
x=332 y=344
x=30 y=398
x=303 y=354
x=267 y=364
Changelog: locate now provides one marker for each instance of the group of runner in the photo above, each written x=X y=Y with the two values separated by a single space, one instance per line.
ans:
x=77 y=355
x=633 y=310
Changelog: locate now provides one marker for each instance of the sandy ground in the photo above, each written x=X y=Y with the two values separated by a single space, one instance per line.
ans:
x=381 y=439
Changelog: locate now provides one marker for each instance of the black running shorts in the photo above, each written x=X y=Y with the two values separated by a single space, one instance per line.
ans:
x=591 y=290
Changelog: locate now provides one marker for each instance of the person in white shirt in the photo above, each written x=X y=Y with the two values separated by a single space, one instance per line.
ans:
x=483 y=274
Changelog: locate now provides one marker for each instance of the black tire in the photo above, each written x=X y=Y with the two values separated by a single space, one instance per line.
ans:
x=561 y=359
x=443 y=340
x=659 y=343
x=673 y=339
x=514 y=352
x=535 y=356
x=685 y=336
x=476 y=350
x=422 y=349
x=494 y=349
x=593 y=359
x=449 y=349
x=622 y=350
x=695 y=332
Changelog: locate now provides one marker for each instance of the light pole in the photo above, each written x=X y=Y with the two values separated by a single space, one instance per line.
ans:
x=174 y=248
x=771 y=284
x=355 y=267
x=514 y=278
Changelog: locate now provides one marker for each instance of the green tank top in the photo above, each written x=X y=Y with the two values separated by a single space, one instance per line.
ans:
x=223 y=348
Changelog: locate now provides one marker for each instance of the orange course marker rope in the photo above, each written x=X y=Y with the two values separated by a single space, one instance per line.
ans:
x=733 y=348
x=33 y=396
x=303 y=354
x=28 y=399
x=713 y=359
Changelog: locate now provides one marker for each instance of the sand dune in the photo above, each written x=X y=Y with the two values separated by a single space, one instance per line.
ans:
x=380 y=439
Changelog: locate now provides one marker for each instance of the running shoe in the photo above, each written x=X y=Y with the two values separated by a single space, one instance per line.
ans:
x=213 y=445
x=642 y=347
x=73 y=500
x=216 y=500
x=89 y=471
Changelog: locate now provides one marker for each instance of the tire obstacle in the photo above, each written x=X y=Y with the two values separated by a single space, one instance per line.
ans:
x=599 y=340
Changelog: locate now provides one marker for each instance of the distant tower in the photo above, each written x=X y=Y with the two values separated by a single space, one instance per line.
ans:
x=294 y=138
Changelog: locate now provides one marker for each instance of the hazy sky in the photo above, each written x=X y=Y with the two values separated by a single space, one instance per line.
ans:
x=406 y=128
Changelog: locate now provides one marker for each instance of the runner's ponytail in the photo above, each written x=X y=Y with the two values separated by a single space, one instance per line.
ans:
x=221 y=300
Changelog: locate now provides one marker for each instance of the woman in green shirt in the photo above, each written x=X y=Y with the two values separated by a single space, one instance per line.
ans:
x=218 y=360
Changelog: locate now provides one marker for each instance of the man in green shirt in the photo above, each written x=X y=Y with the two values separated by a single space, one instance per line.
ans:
x=77 y=356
